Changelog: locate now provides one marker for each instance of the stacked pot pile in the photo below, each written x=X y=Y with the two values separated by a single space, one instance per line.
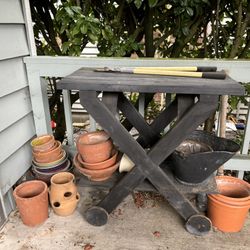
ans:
x=97 y=156
x=228 y=210
x=48 y=157
x=63 y=193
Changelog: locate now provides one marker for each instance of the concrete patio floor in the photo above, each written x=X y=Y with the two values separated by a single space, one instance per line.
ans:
x=153 y=226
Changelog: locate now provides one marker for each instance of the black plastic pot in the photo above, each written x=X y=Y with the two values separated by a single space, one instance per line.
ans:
x=195 y=167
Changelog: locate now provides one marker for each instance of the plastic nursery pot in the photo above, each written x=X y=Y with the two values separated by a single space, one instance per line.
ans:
x=62 y=187
x=100 y=165
x=228 y=210
x=94 y=147
x=66 y=208
x=32 y=202
x=42 y=143
x=51 y=155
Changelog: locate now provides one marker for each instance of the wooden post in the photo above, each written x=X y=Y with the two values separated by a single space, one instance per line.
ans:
x=223 y=120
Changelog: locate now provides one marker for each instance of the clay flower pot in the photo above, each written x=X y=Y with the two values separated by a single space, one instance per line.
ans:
x=94 y=147
x=51 y=155
x=96 y=174
x=228 y=210
x=62 y=156
x=46 y=175
x=100 y=165
x=62 y=187
x=66 y=208
x=32 y=202
x=42 y=143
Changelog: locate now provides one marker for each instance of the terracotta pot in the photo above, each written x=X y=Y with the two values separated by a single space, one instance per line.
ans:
x=32 y=202
x=45 y=176
x=100 y=165
x=94 y=147
x=96 y=174
x=63 y=155
x=65 y=208
x=62 y=187
x=229 y=209
x=42 y=143
x=51 y=155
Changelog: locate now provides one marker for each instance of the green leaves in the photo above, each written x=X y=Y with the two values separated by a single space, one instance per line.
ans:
x=152 y=3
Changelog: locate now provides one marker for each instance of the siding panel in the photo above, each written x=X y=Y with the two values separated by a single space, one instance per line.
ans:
x=15 y=136
x=12 y=76
x=13 y=42
x=14 y=107
x=14 y=167
x=11 y=11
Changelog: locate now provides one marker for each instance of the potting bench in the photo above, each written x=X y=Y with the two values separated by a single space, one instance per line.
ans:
x=194 y=101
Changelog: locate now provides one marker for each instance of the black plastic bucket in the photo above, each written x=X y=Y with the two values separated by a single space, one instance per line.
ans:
x=201 y=161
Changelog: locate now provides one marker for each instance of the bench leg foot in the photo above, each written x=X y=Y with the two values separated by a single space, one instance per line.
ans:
x=96 y=216
x=198 y=225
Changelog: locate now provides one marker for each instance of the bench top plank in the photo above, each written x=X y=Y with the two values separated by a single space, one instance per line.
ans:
x=88 y=79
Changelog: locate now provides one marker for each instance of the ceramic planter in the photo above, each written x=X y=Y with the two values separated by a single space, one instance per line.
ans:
x=228 y=210
x=63 y=156
x=51 y=155
x=94 y=147
x=62 y=187
x=32 y=202
x=46 y=175
x=65 y=208
x=100 y=165
x=96 y=174
x=42 y=143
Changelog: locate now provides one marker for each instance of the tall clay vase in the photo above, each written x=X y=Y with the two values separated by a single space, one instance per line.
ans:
x=32 y=202
x=63 y=193
x=228 y=210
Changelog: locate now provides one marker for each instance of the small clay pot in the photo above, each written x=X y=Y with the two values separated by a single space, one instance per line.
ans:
x=51 y=155
x=100 y=165
x=62 y=187
x=45 y=176
x=42 y=143
x=32 y=202
x=65 y=208
x=62 y=156
x=94 y=147
x=96 y=174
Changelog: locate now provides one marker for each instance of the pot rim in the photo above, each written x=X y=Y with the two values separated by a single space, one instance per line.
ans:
x=114 y=154
x=51 y=137
x=246 y=204
x=90 y=133
x=45 y=189
x=45 y=153
x=52 y=180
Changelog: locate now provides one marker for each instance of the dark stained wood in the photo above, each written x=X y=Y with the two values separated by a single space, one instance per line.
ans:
x=149 y=164
x=86 y=79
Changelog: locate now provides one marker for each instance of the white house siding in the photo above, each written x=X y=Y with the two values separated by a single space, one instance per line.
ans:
x=16 y=117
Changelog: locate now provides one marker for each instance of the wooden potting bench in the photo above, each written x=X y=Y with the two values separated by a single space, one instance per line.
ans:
x=195 y=100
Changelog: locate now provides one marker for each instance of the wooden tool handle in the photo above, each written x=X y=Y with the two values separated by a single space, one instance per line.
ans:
x=210 y=75
x=192 y=69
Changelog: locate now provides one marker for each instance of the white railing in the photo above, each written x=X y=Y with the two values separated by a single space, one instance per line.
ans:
x=39 y=67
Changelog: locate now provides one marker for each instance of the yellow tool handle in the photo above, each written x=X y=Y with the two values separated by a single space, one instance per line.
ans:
x=211 y=75
x=193 y=69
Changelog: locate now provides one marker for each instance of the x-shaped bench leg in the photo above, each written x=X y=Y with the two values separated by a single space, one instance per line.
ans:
x=147 y=165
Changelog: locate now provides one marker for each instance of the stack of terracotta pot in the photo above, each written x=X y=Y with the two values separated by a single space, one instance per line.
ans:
x=63 y=193
x=48 y=157
x=97 y=156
